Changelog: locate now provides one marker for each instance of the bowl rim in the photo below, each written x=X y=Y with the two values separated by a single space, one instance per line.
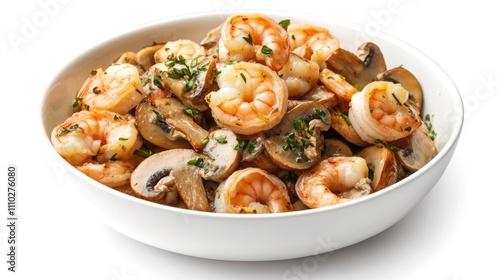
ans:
x=447 y=148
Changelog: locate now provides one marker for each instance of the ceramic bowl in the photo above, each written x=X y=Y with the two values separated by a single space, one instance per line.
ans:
x=264 y=236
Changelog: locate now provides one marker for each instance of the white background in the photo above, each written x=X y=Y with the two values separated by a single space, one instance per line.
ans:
x=453 y=234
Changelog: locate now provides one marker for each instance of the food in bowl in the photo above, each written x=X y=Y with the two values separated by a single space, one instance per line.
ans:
x=261 y=116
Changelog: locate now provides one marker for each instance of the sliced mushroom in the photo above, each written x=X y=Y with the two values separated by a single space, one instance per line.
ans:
x=191 y=89
x=403 y=76
x=342 y=124
x=127 y=57
x=166 y=123
x=383 y=166
x=358 y=69
x=220 y=148
x=145 y=57
x=161 y=176
x=296 y=143
x=336 y=147
x=319 y=94
x=253 y=153
x=415 y=151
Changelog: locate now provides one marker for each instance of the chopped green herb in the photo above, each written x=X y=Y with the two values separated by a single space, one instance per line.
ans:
x=397 y=100
x=243 y=77
x=157 y=82
x=93 y=72
x=122 y=139
x=252 y=145
x=159 y=117
x=193 y=113
x=65 y=131
x=266 y=50
x=345 y=118
x=248 y=39
x=196 y=162
x=205 y=141
x=285 y=23
x=77 y=102
x=221 y=139
x=380 y=142
x=428 y=123
x=143 y=153
x=322 y=115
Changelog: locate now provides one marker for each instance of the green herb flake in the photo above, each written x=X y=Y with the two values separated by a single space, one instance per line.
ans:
x=198 y=162
x=77 y=102
x=159 y=117
x=428 y=123
x=252 y=146
x=93 y=72
x=345 y=118
x=65 y=131
x=221 y=139
x=193 y=113
x=243 y=77
x=285 y=23
x=397 y=100
x=157 y=82
x=122 y=139
x=322 y=115
x=143 y=153
x=248 y=39
x=266 y=50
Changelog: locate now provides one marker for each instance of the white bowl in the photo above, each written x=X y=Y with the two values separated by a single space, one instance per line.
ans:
x=265 y=236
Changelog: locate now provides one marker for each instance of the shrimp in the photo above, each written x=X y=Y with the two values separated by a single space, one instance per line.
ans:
x=188 y=49
x=112 y=173
x=117 y=88
x=97 y=137
x=334 y=180
x=337 y=84
x=252 y=37
x=300 y=75
x=312 y=42
x=252 y=190
x=251 y=98
x=380 y=113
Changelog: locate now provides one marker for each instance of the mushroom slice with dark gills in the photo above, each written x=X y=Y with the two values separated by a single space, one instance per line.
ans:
x=253 y=153
x=167 y=123
x=161 y=176
x=296 y=143
x=358 y=69
x=415 y=151
x=401 y=75
x=383 y=166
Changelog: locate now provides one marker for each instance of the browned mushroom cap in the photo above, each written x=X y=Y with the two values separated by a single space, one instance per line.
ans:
x=401 y=75
x=145 y=57
x=191 y=89
x=296 y=143
x=361 y=69
x=166 y=123
x=161 y=176
x=415 y=151
x=224 y=158
x=253 y=153
x=342 y=124
x=383 y=166
x=336 y=147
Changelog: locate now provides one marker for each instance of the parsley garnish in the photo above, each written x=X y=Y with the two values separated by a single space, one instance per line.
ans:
x=266 y=50
x=285 y=23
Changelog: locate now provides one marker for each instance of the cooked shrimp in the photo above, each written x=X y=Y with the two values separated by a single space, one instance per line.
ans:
x=112 y=173
x=254 y=37
x=252 y=190
x=252 y=98
x=337 y=84
x=188 y=49
x=312 y=42
x=96 y=136
x=300 y=75
x=380 y=113
x=334 y=180
x=116 y=88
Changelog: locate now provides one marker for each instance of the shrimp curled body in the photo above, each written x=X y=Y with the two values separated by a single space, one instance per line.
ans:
x=117 y=88
x=252 y=98
x=334 y=180
x=252 y=190
x=379 y=112
x=254 y=37
x=99 y=143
